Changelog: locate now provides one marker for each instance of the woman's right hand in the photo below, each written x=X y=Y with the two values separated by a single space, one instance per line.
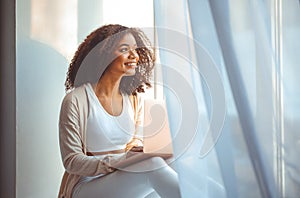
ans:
x=135 y=145
x=134 y=150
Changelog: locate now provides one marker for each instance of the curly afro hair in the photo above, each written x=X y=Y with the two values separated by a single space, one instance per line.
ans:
x=94 y=54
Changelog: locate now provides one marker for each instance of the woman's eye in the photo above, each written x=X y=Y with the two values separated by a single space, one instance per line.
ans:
x=123 y=49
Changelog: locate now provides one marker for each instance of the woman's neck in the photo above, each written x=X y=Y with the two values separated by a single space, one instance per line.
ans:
x=108 y=86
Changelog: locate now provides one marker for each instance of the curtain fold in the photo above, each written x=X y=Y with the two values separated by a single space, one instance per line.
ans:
x=263 y=173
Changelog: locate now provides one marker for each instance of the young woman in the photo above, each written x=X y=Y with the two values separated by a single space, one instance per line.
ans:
x=101 y=115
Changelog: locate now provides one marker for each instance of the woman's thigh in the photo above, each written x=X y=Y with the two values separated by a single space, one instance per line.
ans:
x=130 y=182
x=114 y=185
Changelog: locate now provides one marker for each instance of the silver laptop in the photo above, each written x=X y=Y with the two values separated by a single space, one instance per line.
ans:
x=156 y=131
x=156 y=134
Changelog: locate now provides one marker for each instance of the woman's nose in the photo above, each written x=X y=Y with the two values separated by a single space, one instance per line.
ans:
x=133 y=54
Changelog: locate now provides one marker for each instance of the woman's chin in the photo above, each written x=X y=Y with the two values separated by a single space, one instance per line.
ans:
x=130 y=72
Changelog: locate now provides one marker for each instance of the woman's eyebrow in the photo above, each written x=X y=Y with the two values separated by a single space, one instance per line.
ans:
x=127 y=45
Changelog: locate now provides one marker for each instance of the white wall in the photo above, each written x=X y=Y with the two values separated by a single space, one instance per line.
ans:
x=47 y=37
x=40 y=74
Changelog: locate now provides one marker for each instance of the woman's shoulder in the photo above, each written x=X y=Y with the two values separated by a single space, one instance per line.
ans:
x=76 y=95
x=74 y=103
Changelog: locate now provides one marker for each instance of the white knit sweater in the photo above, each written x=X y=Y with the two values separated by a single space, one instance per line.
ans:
x=72 y=138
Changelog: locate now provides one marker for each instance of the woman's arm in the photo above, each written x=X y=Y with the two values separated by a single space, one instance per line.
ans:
x=71 y=143
x=136 y=143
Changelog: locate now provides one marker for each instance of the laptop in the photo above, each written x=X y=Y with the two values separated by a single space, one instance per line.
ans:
x=156 y=134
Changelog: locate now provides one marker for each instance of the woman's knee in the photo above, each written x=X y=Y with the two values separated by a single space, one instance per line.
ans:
x=150 y=164
x=157 y=161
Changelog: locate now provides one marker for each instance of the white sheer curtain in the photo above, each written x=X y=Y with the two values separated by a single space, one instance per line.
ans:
x=251 y=47
x=288 y=62
x=187 y=97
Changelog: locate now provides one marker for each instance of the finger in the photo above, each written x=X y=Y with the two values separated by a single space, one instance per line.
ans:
x=137 y=149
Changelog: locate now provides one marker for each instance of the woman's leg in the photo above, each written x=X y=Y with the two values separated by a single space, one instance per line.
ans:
x=163 y=178
x=156 y=175
x=153 y=194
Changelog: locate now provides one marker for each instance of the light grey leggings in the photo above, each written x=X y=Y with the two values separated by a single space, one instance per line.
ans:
x=133 y=182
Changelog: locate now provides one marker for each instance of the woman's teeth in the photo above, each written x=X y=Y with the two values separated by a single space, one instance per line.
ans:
x=130 y=64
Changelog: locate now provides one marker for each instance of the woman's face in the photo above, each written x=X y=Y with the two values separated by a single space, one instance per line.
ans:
x=126 y=57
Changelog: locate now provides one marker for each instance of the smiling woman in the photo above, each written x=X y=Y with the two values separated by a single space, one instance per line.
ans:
x=101 y=116
x=127 y=57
